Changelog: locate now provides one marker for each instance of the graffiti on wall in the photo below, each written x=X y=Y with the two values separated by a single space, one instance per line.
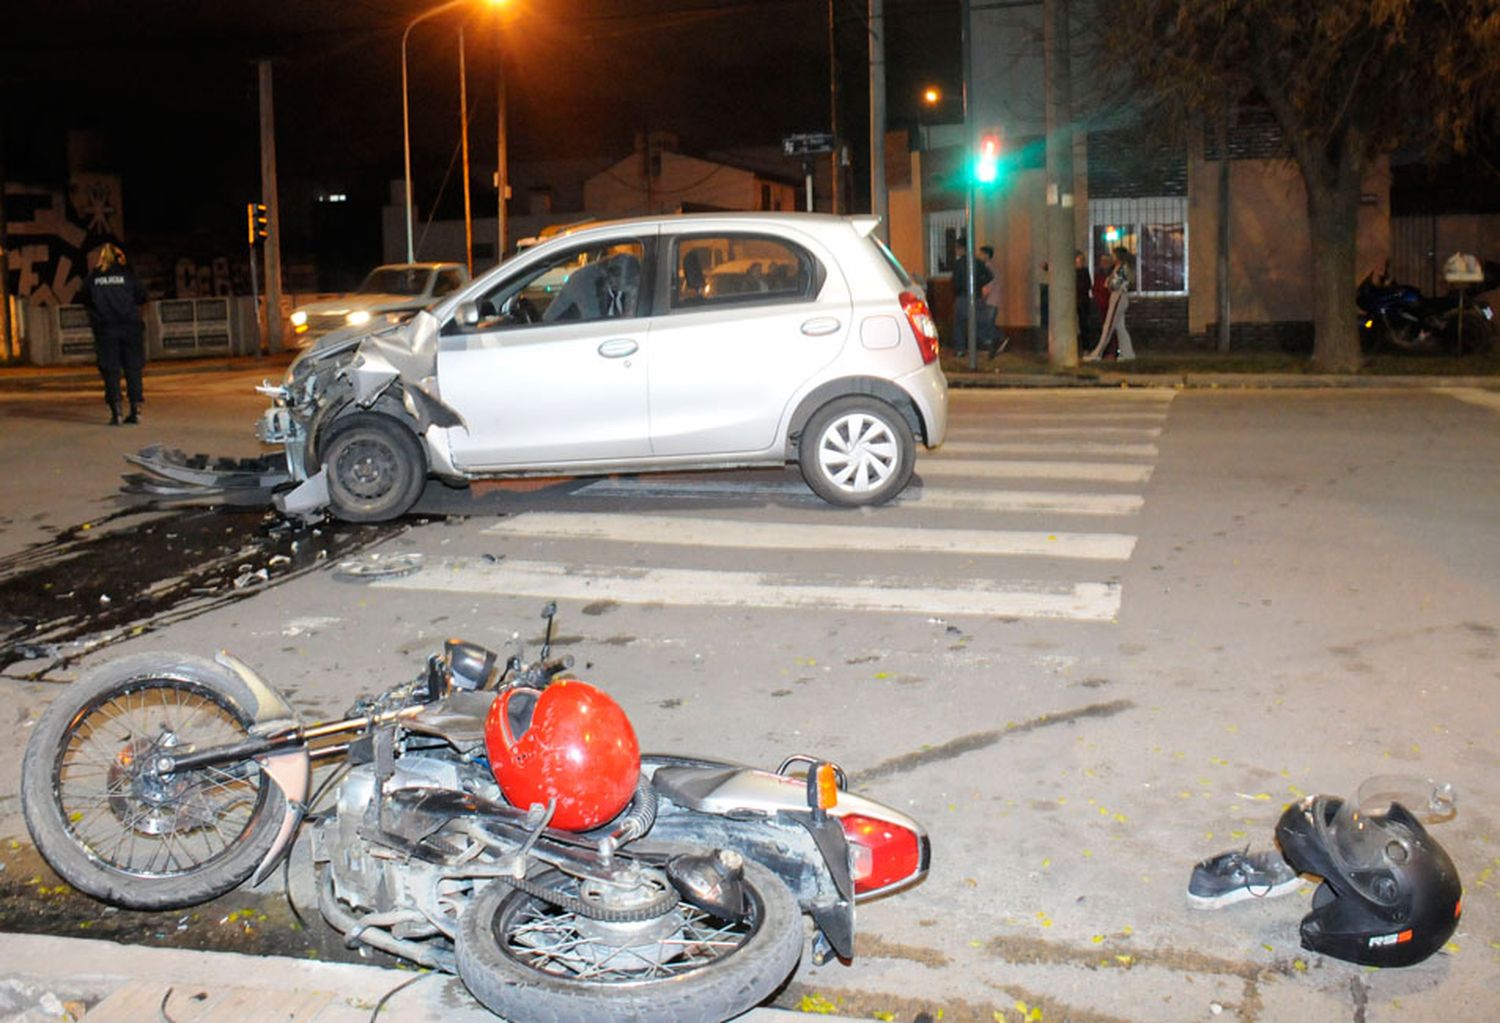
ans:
x=53 y=236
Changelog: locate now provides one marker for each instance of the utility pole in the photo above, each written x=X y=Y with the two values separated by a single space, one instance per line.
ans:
x=463 y=117
x=835 y=172
x=502 y=172
x=273 y=207
x=1062 y=312
x=7 y=349
x=880 y=200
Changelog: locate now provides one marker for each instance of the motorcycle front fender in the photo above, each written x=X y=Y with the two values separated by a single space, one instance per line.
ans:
x=290 y=769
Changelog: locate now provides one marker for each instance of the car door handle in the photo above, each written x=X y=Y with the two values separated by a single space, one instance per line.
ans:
x=618 y=348
x=820 y=325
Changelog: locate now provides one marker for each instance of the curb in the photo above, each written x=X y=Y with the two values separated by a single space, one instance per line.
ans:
x=123 y=981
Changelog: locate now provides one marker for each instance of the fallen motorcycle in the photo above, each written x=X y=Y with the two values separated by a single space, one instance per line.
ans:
x=495 y=821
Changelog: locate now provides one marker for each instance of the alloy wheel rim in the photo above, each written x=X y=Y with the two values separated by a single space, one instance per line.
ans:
x=858 y=453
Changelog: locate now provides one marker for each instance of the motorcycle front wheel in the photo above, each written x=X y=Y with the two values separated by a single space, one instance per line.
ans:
x=115 y=828
x=525 y=958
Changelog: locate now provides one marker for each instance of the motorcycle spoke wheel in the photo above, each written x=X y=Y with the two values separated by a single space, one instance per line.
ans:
x=117 y=829
x=135 y=821
x=525 y=957
x=547 y=938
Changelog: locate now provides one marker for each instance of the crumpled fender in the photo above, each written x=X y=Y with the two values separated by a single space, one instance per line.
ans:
x=410 y=356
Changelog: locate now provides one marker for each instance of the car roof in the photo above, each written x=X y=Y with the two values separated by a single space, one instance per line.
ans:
x=863 y=223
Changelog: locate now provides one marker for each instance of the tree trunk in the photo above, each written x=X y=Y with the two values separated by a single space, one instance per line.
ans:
x=1333 y=218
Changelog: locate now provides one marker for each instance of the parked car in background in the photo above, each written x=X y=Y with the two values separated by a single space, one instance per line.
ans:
x=615 y=348
x=390 y=294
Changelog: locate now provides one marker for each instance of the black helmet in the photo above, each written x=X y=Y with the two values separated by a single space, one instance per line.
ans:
x=1390 y=895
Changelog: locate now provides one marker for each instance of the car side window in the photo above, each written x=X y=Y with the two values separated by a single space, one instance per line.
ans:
x=599 y=281
x=718 y=270
x=447 y=281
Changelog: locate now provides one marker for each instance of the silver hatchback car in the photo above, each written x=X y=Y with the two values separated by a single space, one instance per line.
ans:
x=662 y=343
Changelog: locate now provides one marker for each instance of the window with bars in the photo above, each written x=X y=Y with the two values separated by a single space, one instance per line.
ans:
x=1155 y=232
x=944 y=228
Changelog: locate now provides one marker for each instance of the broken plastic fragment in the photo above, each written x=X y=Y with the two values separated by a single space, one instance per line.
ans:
x=378 y=566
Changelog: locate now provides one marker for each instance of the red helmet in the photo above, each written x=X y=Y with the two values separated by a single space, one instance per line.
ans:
x=569 y=741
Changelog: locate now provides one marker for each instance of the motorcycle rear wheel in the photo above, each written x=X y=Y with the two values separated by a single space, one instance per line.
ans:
x=524 y=958
x=116 y=830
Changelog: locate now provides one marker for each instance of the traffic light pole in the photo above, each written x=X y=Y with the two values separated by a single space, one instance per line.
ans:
x=970 y=305
x=260 y=333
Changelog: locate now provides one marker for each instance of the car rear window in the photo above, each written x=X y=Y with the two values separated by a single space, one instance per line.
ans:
x=713 y=270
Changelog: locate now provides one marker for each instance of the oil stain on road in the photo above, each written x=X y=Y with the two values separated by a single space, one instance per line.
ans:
x=140 y=569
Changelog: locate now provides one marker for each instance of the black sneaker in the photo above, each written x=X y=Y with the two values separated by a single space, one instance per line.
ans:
x=1238 y=875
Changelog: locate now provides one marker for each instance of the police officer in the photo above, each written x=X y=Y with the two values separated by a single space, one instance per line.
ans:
x=114 y=296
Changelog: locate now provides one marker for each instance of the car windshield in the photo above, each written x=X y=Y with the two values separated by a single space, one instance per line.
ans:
x=395 y=280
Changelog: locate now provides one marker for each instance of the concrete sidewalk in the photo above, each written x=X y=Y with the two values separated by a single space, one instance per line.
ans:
x=52 y=980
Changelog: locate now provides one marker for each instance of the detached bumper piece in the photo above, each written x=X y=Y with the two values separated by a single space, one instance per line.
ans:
x=170 y=476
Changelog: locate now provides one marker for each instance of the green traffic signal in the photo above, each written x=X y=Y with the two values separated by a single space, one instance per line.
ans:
x=987 y=160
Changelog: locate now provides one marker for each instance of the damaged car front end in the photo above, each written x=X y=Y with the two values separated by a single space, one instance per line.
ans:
x=351 y=417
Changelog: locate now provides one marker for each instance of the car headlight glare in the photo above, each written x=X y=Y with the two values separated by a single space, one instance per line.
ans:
x=299 y=318
x=358 y=318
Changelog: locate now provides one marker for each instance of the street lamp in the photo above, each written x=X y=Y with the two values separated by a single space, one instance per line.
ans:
x=932 y=95
x=406 y=108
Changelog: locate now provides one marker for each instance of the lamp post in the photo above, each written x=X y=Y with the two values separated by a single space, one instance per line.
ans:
x=406 y=108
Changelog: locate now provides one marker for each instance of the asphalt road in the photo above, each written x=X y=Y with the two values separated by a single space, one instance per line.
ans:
x=1113 y=632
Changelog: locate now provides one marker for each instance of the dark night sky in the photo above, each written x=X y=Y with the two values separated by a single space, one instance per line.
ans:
x=168 y=86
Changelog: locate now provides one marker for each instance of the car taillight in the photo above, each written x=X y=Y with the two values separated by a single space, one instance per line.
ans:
x=883 y=853
x=922 y=325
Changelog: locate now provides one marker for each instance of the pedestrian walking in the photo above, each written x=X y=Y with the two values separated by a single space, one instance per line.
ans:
x=982 y=278
x=1083 y=293
x=1114 y=317
x=114 y=295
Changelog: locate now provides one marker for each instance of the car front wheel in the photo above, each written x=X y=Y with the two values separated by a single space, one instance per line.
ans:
x=376 y=469
x=857 y=451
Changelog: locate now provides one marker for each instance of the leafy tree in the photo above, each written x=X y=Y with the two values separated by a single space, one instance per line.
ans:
x=1348 y=81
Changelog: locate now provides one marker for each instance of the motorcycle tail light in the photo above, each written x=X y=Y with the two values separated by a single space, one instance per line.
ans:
x=883 y=854
x=922 y=325
x=1369 y=324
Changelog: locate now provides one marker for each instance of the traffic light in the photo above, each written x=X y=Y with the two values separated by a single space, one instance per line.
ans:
x=257 y=222
x=987 y=160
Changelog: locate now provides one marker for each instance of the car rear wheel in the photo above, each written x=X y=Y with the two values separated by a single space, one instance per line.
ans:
x=376 y=469
x=857 y=451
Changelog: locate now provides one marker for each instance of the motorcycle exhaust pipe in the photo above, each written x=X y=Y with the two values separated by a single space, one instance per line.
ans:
x=367 y=932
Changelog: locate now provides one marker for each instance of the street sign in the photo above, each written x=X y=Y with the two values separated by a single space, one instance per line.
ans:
x=808 y=143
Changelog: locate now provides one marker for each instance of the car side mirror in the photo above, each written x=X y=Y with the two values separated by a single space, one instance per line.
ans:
x=467 y=314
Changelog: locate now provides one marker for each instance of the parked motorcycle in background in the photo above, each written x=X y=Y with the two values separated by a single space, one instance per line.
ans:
x=498 y=822
x=1401 y=318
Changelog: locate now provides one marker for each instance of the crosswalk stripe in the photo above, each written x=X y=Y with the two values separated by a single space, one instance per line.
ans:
x=1026 y=417
x=701 y=532
x=1054 y=448
x=1107 y=472
x=971 y=597
x=924 y=497
x=1050 y=395
x=1131 y=432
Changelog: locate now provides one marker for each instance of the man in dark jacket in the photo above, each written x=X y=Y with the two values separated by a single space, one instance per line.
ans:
x=114 y=296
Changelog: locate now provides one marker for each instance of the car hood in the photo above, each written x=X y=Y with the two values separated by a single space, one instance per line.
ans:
x=372 y=360
x=374 y=303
